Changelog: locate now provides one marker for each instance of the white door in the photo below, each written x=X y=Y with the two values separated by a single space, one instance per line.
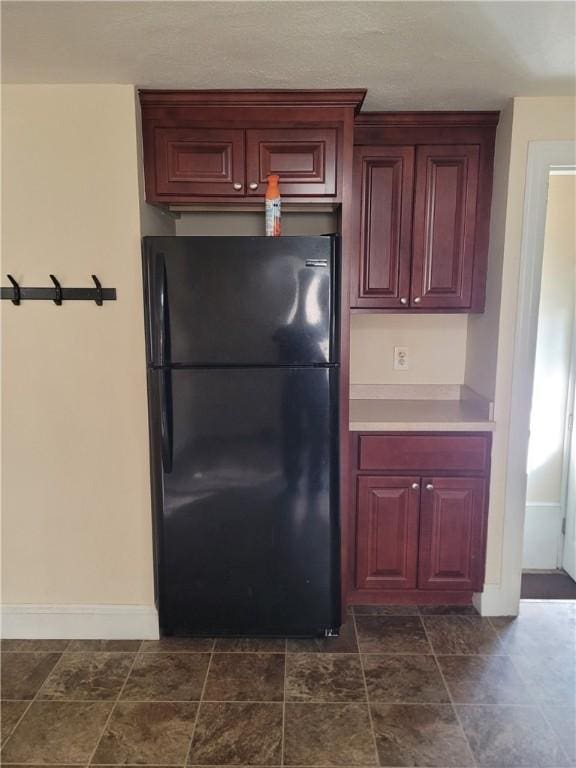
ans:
x=553 y=393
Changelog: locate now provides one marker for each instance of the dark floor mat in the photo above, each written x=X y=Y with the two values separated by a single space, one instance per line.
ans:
x=548 y=586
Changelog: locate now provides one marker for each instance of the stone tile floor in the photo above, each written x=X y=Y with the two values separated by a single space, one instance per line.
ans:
x=401 y=686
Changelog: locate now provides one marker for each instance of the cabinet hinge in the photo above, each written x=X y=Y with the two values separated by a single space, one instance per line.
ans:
x=563 y=529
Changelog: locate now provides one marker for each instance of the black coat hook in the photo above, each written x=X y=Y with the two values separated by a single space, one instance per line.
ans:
x=16 y=299
x=98 y=284
x=57 y=291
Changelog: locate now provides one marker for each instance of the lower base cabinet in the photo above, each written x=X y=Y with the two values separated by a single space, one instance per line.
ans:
x=450 y=548
x=387 y=532
x=418 y=532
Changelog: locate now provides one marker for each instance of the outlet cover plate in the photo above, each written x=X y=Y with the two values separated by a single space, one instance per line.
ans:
x=401 y=359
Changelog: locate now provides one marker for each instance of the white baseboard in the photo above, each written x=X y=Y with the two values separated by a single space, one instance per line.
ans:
x=495 y=601
x=80 y=622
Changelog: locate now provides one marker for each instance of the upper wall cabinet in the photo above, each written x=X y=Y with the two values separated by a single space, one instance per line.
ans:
x=383 y=202
x=304 y=158
x=444 y=226
x=220 y=146
x=422 y=189
x=201 y=161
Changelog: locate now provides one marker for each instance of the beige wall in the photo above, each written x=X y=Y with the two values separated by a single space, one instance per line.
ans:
x=76 y=500
x=436 y=347
x=532 y=119
x=482 y=348
x=554 y=345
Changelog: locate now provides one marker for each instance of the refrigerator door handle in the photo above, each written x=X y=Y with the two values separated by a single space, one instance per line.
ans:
x=158 y=307
x=166 y=431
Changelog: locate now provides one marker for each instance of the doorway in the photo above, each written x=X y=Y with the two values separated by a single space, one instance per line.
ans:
x=549 y=552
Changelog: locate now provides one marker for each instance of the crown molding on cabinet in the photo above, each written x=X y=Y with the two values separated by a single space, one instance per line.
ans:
x=353 y=98
x=427 y=119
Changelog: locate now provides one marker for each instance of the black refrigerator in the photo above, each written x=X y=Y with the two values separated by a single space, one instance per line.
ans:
x=243 y=370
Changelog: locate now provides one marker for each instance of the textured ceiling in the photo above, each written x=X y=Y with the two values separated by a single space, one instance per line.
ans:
x=410 y=55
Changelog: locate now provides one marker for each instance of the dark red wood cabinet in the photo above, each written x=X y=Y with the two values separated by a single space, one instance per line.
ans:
x=220 y=146
x=206 y=162
x=451 y=533
x=383 y=202
x=387 y=532
x=199 y=161
x=304 y=158
x=418 y=523
x=422 y=189
x=444 y=222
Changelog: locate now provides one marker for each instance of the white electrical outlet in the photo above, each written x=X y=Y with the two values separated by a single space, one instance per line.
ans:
x=401 y=359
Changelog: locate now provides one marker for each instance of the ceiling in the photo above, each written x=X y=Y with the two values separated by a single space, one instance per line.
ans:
x=410 y=55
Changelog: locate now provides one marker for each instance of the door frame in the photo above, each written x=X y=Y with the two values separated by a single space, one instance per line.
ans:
x=568 y=460
x=543 y=157
x=559 y=510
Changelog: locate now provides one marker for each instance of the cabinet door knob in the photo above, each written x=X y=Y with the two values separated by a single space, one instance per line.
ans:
x=417 y=300
x=429 y=487
x=253 y=185
x=403 y=300
x=415 y=486
x=237 y=186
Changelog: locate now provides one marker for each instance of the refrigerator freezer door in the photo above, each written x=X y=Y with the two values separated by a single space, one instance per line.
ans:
x=240 y=300
x=247 y=529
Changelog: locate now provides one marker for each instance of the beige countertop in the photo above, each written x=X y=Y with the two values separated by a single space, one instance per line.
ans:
x=467 y=414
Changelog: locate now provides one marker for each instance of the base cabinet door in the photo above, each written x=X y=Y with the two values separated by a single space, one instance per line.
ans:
x=387 y=532
x=451 y=533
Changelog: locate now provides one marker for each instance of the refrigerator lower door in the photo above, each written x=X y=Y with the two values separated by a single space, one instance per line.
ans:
x=247 y=520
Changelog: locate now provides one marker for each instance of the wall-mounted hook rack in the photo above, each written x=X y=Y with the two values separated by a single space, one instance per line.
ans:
x=57 y=291
x=57 y=294
x=16 y=297
x=98 y=285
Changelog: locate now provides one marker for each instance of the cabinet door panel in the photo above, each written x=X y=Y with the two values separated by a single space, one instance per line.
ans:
x=199 y=161
x=383 y=182
x=304 y=158
x=444 y=226
x=387 y=532
x=452 y=513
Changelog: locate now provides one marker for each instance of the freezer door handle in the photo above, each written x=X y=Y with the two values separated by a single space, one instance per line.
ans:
x=166 y=430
